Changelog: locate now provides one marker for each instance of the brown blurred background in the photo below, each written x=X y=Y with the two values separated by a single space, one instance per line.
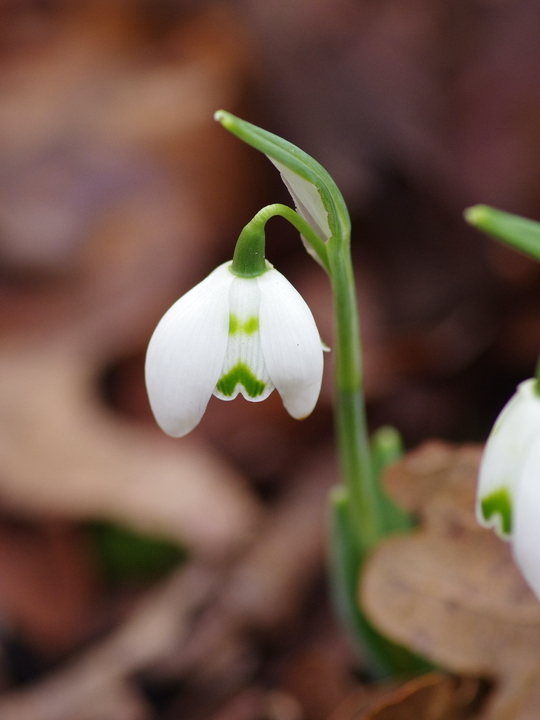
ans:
x=118 y=192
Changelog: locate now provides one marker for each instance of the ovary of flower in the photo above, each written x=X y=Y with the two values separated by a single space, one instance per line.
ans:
x=230 y=335
x=508 y=498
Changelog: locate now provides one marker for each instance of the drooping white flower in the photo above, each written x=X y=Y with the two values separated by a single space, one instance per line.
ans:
x=508 y=498
x=231 y=335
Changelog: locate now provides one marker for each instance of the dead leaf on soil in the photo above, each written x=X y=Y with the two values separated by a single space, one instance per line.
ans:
x=434 y=696
x=101 y=200
x=451 y=590
x=201 y=623
x=47 y=586
x=98 y=683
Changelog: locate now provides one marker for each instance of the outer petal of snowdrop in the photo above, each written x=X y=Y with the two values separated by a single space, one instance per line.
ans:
x=516 y=431
x=290 y=343
x=186 y=353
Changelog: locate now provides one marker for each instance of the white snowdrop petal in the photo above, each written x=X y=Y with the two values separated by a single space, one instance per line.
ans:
x=504 y=457
x=307 y=200
x=186 y=351
x=526 y=535
x=291 y=344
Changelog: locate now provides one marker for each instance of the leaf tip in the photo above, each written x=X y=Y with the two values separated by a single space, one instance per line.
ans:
x=222 y=116
x=476 y=214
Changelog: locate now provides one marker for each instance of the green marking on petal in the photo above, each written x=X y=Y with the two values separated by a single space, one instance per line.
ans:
x=234 y=324
x=499 y=502
x=251 y=325
x=240 y=374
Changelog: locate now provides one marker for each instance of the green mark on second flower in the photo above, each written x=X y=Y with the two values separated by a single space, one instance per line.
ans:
x=499 y=503
x=240 y=374
x=248 y=327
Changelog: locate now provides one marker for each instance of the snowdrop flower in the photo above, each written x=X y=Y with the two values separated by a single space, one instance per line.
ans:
x=233 y=335
x=508 y=497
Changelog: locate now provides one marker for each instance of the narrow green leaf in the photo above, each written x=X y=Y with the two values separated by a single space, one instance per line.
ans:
x=387 y=448
x=518 y=232
x=382 y=657
x=123 y=555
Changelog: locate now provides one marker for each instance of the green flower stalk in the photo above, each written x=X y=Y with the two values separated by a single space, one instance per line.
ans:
x=254 y=350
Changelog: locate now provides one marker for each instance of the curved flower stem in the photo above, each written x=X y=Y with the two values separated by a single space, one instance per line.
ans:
x=307 y=232
x=361 y=513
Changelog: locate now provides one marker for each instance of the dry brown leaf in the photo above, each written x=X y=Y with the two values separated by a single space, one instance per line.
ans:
x=317 y=681
x=434 y=696
x=47 y=586
x=62 y=454
x=98 y=683
x=102 y=191
x=201 y=622
x=450 y=590
x=96 y=97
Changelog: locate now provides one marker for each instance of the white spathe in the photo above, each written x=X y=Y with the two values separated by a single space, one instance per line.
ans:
x=307 y=200
x=508 y=498
x=231 y=335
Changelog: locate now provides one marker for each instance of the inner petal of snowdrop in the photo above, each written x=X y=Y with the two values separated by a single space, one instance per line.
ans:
x=244 y=370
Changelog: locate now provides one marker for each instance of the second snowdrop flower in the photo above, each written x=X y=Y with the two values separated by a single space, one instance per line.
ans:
x=509 y=482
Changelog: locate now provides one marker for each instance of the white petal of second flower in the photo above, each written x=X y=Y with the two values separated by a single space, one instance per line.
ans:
x=526 y=537
x=291 y=344
x=186 y=352
x=508 y=446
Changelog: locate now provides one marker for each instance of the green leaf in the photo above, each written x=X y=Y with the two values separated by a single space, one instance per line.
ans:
x=518 y=232
x=382 y=657
x=387 y=448
x=317 y=198
x=125 y=555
